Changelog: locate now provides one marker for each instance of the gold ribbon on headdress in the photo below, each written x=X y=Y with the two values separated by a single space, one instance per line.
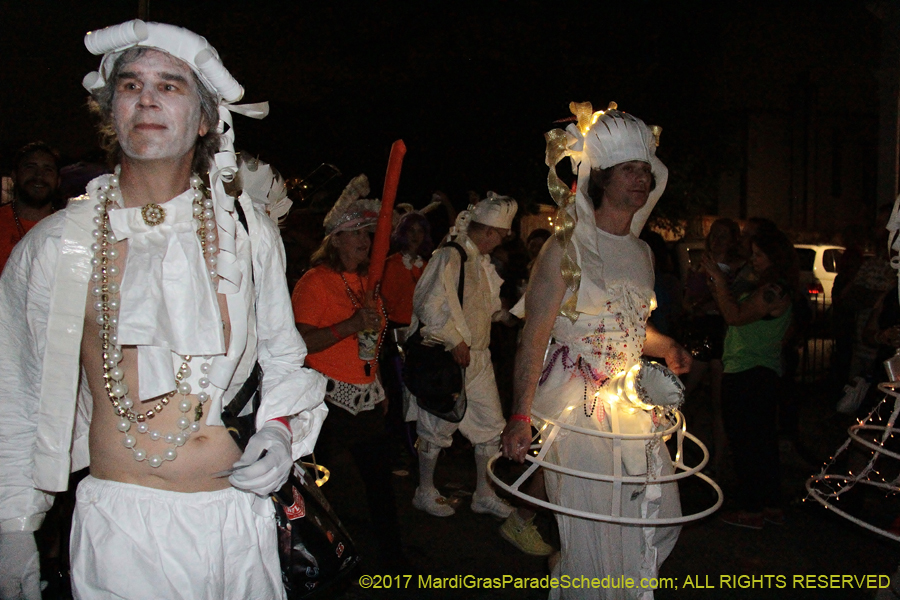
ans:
x=564 y=226
x=586 y=116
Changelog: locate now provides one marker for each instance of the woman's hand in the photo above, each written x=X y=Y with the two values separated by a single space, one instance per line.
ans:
x=716 y=276
x=366 y=319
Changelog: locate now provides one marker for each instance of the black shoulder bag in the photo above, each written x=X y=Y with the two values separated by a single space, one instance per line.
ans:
x=314 y=549
x=429 y=371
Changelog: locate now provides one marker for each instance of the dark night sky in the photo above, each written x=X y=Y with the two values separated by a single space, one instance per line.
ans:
x=471 y=90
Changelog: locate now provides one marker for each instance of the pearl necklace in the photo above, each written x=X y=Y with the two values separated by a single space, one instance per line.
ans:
x=105 y=289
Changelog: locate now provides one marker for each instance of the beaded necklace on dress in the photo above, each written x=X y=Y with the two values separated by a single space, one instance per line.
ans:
x=105 y=289
x=357 y=304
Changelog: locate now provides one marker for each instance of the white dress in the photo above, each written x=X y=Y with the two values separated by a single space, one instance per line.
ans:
x=582 y=356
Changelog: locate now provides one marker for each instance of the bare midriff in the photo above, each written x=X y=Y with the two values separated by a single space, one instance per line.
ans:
x=207 y=452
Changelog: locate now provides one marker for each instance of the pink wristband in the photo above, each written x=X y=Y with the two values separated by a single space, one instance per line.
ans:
x=284 y=421
x=523 y=418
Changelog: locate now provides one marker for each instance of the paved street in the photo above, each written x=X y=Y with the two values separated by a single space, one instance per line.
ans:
x=713 y=554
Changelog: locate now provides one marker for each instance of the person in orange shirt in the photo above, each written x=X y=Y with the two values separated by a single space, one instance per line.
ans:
x=403 y=269
x=36 y=183
x=340 y=324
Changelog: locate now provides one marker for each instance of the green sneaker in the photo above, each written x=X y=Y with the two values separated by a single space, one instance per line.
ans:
x=524 y=536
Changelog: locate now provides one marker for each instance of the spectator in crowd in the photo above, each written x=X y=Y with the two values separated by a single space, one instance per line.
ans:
x=758 y=322
x=35 y=184
x=704 y=331
x=342 y=327
x=403 y=269
x=745 y=278
x=874 y=277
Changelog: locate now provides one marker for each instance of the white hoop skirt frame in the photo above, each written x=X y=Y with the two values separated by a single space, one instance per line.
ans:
x=682 y=471
x=816 y=483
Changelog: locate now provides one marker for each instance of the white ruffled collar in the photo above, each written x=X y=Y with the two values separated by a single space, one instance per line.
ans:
x=168 y=303
x=409 y=263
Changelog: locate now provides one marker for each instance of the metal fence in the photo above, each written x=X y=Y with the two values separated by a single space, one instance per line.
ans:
x=817 y=343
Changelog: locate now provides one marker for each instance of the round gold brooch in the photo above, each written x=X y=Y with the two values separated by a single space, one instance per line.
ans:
x=153 y=214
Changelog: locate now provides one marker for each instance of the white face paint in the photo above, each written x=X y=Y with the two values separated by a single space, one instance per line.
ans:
x=156 y=109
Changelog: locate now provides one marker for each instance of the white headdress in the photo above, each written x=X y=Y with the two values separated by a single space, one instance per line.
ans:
x=495 y=210
x=203 y=59
x=598 y=140
x=353 y=210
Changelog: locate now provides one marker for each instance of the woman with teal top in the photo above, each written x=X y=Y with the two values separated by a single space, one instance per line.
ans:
x=758 y=322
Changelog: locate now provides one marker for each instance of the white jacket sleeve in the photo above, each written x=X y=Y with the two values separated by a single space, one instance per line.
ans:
x=436 y=304
x=24 y=307
x=288 y=388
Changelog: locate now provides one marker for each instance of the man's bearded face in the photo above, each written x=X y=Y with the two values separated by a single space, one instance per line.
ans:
x=36 y=179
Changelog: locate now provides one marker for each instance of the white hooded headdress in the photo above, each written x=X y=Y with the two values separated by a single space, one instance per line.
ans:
x=598 y=140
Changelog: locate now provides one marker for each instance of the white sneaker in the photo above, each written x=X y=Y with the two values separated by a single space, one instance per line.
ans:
x=491 y=505
x=431 y=501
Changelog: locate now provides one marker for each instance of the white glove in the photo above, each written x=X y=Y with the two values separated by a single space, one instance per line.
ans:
x=20 y=576
x=266 y=462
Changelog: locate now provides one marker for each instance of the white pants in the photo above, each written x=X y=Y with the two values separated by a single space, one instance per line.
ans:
x=483 y=421
x=141 y=543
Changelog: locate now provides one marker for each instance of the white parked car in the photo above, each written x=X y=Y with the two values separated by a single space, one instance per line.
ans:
x=818 y=268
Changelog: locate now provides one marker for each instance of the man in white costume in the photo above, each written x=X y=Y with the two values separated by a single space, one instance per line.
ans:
x=466 y=332
x=589 y=297
x=131 y=318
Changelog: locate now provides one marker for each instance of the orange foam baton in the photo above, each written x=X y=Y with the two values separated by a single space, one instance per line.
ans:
x=385 y=217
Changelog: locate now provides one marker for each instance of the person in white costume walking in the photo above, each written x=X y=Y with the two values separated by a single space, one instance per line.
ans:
x=131 y=318
x=589 y=297
x=466 y=332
